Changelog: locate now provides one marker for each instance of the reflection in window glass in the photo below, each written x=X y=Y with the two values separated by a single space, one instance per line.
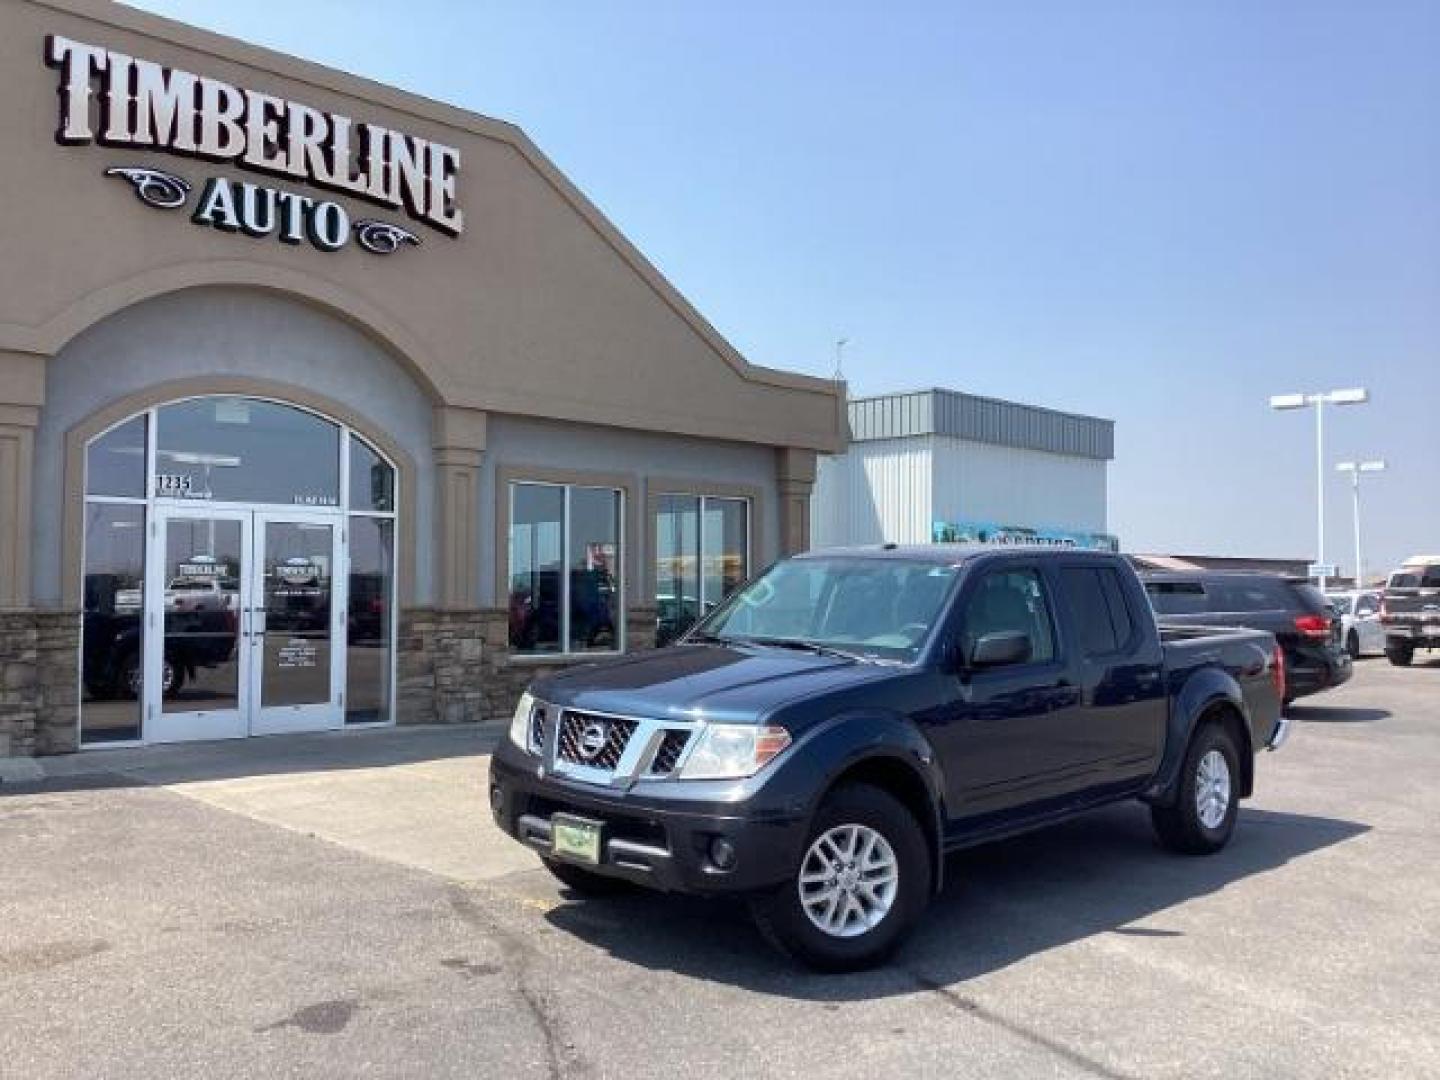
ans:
x=536 y=535
x=677 y=566
x=115 y=462
x=367 y=620
x=372 y=482
x=701 y=557
x=724 y=548
x=201 y=669
x=111 y=658
x=1008 y=601
x=242 y=450
x=594 y=569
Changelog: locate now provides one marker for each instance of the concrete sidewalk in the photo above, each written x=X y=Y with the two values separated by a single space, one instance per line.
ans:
x=409 y=795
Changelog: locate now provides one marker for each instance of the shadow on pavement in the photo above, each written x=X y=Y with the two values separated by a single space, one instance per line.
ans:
x=270 y=755
x=1337 y=714
x=1002 y=903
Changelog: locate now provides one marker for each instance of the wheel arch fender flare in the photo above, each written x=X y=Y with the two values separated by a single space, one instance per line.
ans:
x=1205 y=692
x=888 y=751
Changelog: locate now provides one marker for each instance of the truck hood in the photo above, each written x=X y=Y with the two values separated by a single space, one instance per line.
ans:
x=714 y=682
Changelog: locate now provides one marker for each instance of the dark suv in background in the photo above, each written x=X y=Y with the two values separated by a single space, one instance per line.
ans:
x=1292 y=609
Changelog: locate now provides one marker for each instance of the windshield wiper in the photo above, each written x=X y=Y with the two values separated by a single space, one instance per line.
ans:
x=804 y=645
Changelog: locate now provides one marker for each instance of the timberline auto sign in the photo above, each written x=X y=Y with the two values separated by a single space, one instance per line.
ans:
x=145 y=106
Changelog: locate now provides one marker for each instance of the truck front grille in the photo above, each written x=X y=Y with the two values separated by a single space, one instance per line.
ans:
x=596 y=742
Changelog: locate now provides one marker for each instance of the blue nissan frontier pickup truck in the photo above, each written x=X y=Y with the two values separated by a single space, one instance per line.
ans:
x=825 y=736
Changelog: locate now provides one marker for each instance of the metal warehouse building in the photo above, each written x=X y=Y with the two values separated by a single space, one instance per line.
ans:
x=939 y=465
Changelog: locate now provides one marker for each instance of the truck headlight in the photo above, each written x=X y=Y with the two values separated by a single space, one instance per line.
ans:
x=733 y=751
x=520 y=722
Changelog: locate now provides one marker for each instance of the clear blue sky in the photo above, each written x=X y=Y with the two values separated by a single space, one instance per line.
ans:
x=1157 y=212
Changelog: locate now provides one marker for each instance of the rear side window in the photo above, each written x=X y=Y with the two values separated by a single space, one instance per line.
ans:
x=1431 y=578
x=1263 y=594
x=1121 y=615
x=1098 y=600
x=1176 y=597
x=1310 y=598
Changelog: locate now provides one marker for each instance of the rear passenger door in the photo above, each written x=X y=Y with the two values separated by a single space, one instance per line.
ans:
x=1121 y=727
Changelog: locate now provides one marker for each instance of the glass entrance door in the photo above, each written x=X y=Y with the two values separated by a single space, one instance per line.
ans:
x=296 y=630
x=196 y=590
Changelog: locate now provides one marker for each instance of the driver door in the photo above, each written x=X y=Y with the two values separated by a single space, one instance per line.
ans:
x=1006 y=730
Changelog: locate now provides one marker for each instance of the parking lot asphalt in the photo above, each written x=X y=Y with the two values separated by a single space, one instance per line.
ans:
x=335 y=907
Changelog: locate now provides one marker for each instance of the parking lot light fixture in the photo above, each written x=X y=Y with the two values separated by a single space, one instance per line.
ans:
x=1355 y=395
x=1355 y=469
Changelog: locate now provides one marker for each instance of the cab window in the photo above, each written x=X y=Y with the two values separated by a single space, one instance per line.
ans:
x=1010 y=600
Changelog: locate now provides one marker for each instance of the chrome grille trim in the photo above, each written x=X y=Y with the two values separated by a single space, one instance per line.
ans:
x=635 y=748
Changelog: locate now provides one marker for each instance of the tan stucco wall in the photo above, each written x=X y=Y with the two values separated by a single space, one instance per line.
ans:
x=539 y=308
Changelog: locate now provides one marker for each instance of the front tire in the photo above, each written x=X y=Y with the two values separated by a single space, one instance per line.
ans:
x=862 y=880
x=1203 y=817
x=1352 y=645
x=1399 y=653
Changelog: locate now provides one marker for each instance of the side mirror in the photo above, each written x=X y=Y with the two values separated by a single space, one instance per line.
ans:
x=1000 y=649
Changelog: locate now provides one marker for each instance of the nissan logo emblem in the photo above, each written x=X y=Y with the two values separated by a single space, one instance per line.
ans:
x=592 y=739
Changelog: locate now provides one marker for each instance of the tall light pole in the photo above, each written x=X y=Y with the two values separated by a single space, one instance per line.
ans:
x=1355 y=396
x=1355 y=468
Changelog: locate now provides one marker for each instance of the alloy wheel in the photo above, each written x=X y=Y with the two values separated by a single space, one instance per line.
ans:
x=1212 y=789
x=849 y=880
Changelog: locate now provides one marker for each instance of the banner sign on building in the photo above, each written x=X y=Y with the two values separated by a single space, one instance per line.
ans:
x=987 y=532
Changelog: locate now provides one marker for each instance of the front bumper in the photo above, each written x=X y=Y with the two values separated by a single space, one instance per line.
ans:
x=653 y=838
x=1417 y=635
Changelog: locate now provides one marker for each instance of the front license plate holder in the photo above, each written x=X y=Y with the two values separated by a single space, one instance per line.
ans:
x=576 y=838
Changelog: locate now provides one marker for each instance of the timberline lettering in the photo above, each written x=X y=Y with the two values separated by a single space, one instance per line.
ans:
x=119 y=100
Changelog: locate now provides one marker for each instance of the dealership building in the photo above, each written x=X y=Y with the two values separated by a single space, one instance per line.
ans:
x=937 y=466
x=323 y=405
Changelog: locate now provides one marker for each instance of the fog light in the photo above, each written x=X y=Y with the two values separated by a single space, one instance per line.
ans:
x=722 y=853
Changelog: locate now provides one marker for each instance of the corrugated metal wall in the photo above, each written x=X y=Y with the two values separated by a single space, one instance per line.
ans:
x=1011 y=486
x=895 y=489
x=982 y=419
x=873 y=493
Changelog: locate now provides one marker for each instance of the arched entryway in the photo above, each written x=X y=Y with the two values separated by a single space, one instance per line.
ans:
x=239 y=568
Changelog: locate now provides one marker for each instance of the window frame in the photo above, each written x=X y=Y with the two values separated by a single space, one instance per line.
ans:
x=507 y=483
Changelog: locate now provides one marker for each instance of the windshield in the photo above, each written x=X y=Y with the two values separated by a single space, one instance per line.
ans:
x=881 y=609
x=1341 y=604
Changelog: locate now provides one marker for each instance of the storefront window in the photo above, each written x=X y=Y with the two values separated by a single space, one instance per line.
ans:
x=702 y=554
x=594 y=604
x=112 y=626
x=115 y=464
x=565 y=577
x=258 y=458
x=677 y=566
x=367 y=620
x=230 y=449
x=372 y=481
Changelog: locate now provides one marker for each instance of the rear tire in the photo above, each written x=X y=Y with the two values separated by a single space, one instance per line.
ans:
x=1208 y=802
x=864 y=873
x=1399 y=653
x=586 y=882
